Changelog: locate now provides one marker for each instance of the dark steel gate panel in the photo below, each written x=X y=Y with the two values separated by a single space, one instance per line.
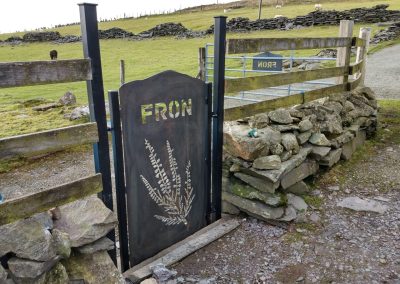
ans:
x=165 y=136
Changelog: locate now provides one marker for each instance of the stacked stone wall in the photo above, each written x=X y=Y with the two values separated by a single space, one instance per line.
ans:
x=269 y=157
x=63 y=245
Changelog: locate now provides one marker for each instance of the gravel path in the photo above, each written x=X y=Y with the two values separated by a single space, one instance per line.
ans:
x=338 y=246
x=383 y=72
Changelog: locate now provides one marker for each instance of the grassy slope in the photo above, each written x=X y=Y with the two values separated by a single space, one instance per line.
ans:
x=143 y=58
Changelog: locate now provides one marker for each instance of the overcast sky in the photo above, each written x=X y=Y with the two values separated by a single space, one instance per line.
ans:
x=20 y=15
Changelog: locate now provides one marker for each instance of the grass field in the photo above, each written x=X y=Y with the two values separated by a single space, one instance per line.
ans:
x=142 y=58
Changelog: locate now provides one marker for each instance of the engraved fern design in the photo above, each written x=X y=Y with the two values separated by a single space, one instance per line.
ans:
x=175 y=201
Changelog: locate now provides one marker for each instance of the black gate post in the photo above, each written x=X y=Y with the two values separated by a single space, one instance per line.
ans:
x=95 y=90
x=120 y=190
x=218 y=112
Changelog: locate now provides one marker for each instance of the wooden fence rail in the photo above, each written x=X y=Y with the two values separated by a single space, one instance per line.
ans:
x=254 y=45
x=29 y=145
x=265 y=81
x=17 y=74
x=18 y=208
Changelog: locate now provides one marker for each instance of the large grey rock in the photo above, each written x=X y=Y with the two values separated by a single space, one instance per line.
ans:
x=318 y=152
x=281 y=116
x=332 y=158
x=360 y=138
x=319 y=139
x=347 y=151
x=336 y=106
x=85 y=220
x=307 y=168
x=3 y=274
x=349 y=147
x=161 y=273
x=297 y=202
x=285 y=127
x=366 y=92
x=259 y=121
x=305 y=125
x=28 y=238
x=93 y=268
x=239 y=144
x=102 y=244
x=243 y=190
x=275 y=175
x=67 y=99
x=298 y=188
x=357 y=204
x=348 y=106
x=272 y=162
x=270 y=136
x=338 y=141
x=289 y=141
x=57 y=275
x=286 y=155
x=62 y=243
x=332 y=124
x=258 y=183
x=229 y=208
x=79 y=112
x=303 y=137
x=254 y=208
x=276 y=149
x=24 y=268
x=290 y=214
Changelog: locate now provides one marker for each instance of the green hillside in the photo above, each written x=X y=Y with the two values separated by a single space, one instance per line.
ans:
x=142 y=58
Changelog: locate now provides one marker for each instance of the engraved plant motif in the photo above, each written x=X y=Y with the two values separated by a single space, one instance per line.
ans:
x=174 y=201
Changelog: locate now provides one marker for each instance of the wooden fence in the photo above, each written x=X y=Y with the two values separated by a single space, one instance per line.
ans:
x=17 y=74
x=343 y=69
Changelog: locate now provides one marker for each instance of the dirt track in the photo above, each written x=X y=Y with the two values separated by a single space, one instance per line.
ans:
x=383 y=72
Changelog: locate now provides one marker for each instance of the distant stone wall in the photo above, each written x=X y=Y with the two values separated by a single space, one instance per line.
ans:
x=268 y=157
x=375 y=14
x=65 y=244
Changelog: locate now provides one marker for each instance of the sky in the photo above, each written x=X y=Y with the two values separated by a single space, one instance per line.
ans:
x=20 y=15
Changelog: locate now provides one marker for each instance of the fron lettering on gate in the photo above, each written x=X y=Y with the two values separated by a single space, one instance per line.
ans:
x=163 y=111
x=165 y=135
x=267 y=61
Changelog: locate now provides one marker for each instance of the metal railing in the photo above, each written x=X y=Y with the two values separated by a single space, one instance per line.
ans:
x=245 y=71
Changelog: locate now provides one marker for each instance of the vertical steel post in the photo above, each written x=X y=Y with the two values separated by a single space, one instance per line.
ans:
x=95 y=90
x=218 y=112
x=119 y=173
x=208 y=152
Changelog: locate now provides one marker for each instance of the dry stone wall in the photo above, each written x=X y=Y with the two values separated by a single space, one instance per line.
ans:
x=63 y=245
x=269 y=157
x=375 y=14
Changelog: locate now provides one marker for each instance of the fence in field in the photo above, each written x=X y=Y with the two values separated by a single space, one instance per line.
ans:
x=346 y=75
x=18 y=74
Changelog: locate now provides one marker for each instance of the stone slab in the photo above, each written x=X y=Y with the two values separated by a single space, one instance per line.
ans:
x=307 y=168
x=275 y=175
x=258 y=183
x=332 y=158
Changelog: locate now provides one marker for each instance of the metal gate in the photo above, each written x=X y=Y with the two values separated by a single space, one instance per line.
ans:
x=242 y=66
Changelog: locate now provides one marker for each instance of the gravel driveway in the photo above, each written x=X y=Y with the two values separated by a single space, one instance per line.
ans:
x=383 y=72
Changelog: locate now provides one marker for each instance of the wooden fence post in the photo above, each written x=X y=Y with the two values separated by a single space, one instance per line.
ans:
x=202 y=64
x=122 y=72
x=365 y=33
x=344 y=53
